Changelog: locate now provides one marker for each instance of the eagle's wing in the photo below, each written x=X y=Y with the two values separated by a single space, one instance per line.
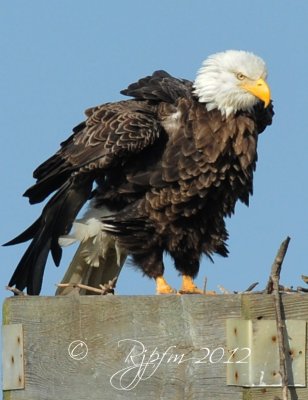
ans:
x=111 y=134
x=160 y=86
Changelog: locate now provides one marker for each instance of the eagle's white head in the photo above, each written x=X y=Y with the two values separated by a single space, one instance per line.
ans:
x=231 y=81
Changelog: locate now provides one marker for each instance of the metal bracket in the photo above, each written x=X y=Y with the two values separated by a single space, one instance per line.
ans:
x=13 y=357
x=254 y=353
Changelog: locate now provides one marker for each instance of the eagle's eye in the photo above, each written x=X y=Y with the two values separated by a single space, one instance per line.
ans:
x=240 y=76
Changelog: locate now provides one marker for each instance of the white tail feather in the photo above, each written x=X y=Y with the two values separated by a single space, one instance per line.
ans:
x=89 y=230
x=98 y=257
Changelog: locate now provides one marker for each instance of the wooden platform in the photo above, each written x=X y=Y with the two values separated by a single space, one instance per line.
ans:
x=132 y=347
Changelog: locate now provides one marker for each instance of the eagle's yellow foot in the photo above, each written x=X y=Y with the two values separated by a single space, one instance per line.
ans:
x=162 y=286
x=189 y=287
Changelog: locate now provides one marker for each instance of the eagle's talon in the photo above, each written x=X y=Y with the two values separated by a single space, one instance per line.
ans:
x=162 y=287
x=189 y=287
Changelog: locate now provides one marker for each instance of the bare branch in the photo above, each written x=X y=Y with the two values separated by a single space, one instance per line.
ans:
x=251 y=287
x=204 y=285
x=223 y=289
x=273 y=287
x=103 y=290
x=276 y=267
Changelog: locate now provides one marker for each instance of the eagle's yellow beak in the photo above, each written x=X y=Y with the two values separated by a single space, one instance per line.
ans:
x=258 y=88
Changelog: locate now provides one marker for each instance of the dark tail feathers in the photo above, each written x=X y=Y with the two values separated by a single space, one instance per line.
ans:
x=56 y=220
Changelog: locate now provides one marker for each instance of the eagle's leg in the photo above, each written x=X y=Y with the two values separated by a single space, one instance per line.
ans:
x=162 y=287
x=152 y=265
x=188 y=286
x=187 y=263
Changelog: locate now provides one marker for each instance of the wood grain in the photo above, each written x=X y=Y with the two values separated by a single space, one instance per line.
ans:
x=173 y=330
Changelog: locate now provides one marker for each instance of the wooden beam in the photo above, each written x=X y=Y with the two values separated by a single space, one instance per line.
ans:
x=136 y=347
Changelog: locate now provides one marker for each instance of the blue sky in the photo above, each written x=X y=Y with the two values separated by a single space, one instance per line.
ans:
x=60 y=57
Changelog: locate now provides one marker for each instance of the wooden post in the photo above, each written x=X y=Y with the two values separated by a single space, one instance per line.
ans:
x=137 y=347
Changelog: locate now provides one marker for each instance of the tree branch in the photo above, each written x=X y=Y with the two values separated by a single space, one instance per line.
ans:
x=104 y=289
x=273 y=287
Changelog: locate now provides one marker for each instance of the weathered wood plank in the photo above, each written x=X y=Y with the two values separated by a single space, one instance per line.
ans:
x=156 y=341
x=154 y=347
x=256 y=306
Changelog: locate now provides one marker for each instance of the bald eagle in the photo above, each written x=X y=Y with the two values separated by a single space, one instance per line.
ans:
x=162 y=171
